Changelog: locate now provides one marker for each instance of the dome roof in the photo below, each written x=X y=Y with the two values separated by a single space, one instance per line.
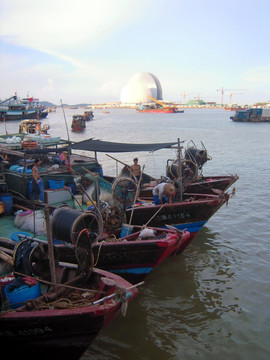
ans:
x=139 y=87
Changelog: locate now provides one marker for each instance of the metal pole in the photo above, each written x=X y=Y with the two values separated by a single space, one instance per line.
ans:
x=180 y=171
x=65 y=119
x=50 y=245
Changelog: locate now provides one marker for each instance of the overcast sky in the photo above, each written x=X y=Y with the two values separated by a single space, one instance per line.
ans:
x=86 y=51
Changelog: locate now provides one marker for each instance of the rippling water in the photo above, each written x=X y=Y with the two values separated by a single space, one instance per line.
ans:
x=213 y=300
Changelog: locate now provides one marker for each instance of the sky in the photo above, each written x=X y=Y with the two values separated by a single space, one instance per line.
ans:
x=85 y=51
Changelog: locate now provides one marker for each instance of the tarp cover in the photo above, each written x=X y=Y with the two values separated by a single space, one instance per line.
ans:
x=105 y=146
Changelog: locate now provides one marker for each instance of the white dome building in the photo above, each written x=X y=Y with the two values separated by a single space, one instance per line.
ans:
x=139 y=87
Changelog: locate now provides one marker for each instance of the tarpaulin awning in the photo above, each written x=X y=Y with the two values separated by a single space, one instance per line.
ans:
x=106 y=146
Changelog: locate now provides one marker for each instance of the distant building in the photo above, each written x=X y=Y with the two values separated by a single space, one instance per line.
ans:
x=195 y=102
x=139 y=87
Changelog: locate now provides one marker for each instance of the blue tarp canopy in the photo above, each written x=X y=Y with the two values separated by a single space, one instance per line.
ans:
x=106 y=146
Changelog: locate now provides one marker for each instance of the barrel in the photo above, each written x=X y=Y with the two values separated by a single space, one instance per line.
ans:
x=7 y=199
x=67 y=223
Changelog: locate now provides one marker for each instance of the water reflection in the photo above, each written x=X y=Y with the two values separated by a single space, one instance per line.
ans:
x=183 y=302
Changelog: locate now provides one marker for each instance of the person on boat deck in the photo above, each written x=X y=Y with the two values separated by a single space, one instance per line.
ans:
x=36 y=180
x=63 y=160
x=162 y=192
x=136 y=168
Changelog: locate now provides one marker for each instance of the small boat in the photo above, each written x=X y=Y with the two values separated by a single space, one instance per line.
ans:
x=50 y=307
x=203 y=185
x=131 y=251
x=78 y=123
x=152 y=108
x=252 y=115
x=88 y=115
x=192 y=213
x=33 y=126
x=64 y=320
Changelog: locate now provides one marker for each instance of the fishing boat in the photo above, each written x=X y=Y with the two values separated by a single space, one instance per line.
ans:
x=50 y=307
x=252 y=115
x=27 y=108
x=130 y=251
x=64 y=321
x=78 y=123
x=33 y=126
x=203 y=185
x=88 y=115
x=192 y=213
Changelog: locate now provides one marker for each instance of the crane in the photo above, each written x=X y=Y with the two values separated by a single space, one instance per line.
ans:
x=156 y=101
x=223 y=90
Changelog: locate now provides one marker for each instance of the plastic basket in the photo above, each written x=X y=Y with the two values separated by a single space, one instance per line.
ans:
x=56 y=184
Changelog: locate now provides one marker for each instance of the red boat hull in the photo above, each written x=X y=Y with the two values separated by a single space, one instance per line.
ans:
x=59 y=333
x=159 y=110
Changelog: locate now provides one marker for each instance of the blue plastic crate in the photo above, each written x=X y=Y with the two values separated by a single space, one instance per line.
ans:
x=56 y=184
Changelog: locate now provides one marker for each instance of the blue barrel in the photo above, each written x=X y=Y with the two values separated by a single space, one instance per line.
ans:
x=7 y=199
x=72 y=185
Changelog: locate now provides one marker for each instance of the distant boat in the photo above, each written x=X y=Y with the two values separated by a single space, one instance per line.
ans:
x=234 y=108
x=146 y=108
x=157 y=107
x=252 y=115
x=27 y=108
x=78 y=123
x=88 y=115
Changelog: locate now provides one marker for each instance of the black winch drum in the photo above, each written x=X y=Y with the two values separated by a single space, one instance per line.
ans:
x=67 y=223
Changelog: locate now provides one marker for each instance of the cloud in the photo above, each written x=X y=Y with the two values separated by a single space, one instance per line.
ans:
x=64 y=27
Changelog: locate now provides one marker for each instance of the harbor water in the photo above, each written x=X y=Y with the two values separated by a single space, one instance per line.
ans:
x=213 y=300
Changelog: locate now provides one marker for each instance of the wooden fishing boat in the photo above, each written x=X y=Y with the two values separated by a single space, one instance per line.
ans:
x=204 y=185
x=88 y=115
x=78 y=123
x=134 y=256
x=53 y=307
x=130 y=251
x=192 y=213
x=64 y=320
